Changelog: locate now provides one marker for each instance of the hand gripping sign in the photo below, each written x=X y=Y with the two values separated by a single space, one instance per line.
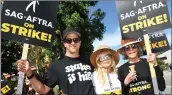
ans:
x=30 y=22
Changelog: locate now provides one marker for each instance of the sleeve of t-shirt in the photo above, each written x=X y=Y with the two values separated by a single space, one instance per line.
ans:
x=160 y=78
x=93 y=80
x=52 y=79
x=96 y=85
x=125 y=89
x=92 y=67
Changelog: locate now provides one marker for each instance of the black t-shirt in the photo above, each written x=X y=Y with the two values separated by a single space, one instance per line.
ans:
x=73 y=75
x=6 y=88
x=143 y=85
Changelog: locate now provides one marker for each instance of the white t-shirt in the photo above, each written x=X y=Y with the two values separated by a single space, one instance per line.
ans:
x=106 y=88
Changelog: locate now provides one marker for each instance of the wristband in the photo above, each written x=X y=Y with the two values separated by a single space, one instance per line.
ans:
x=30 y=77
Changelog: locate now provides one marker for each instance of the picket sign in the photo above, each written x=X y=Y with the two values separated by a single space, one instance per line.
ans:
x=152 y=70
x=22 y=74
x=30 y=11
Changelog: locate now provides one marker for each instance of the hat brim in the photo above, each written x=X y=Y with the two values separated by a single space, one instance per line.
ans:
x=94 y=55
x=77 y=33
x=120 y=50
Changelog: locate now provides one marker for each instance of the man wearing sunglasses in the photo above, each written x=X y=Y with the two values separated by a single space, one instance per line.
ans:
x=72 y=72
x=135 y=74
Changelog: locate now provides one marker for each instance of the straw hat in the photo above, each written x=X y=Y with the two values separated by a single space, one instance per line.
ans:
x=103 y=47
x=127 y=42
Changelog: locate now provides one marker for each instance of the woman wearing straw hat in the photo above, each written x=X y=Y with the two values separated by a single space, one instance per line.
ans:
x=135 y=74
x=105 y=77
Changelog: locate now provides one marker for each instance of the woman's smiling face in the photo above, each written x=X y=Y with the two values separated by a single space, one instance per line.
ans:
x=131 y=51
x=105 y=60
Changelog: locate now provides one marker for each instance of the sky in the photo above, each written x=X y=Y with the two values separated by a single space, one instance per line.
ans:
x=112 y=35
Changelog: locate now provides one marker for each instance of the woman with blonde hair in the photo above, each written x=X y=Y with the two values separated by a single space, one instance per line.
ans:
x=105 y=78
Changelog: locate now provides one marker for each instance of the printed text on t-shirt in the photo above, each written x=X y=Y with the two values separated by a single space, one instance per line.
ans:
x=84 y=72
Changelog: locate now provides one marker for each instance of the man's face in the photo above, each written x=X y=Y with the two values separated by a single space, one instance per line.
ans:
x=72 y=43
x=131 y=51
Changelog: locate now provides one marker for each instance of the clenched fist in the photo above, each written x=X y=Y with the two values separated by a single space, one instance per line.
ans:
x=152 y=58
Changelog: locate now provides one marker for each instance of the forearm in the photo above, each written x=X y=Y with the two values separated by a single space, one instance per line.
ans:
x=160 y=78
x=158 y=71
x=39 y=86
x=125 y=88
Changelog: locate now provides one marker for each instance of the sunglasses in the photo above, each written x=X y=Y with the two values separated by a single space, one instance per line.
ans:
x=105 y=57
x=127 y=48
x=69 y=41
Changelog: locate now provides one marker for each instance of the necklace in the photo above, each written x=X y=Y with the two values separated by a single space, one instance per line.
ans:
x=110 y=83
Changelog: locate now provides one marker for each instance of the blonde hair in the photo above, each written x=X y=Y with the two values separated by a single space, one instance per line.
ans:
x=99 y=69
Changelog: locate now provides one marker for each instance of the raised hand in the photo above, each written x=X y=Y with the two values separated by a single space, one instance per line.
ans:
x=23 y=65
x=130 y=77
x=152 y=58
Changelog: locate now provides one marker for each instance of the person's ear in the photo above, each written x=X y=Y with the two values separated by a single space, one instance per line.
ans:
x=64 y=44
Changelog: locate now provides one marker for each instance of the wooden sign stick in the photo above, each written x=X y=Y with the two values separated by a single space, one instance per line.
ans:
x=152 y=70
x=22 y=74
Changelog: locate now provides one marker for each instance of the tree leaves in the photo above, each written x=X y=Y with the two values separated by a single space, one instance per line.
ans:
x=76 y=14
x=10 y=52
